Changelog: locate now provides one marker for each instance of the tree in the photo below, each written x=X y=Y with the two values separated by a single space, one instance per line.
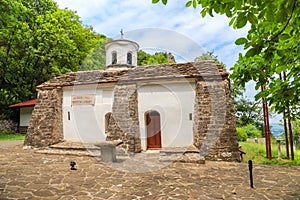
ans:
x=252 y=131
x=272 y=45
x=209 y=56
x=247 y=112
x=96 y=58
x=37 y=42
x=148 y=59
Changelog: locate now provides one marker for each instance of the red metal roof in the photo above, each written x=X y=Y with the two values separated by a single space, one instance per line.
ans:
x=24 y=104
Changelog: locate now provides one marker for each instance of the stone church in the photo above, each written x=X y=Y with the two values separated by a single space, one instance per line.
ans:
x=145 y=107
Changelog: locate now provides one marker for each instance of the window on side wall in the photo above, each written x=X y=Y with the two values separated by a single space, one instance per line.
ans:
x=129 y=58
x=114 y=58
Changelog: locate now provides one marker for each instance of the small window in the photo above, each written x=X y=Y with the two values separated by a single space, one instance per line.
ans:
x=114 y=58
x=191 y=116
x=129 y=58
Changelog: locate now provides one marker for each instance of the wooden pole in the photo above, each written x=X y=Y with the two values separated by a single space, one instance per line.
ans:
x=267 y=127
x=290 y=126
x=286 y=137
x=291 y=138
x=285 y=131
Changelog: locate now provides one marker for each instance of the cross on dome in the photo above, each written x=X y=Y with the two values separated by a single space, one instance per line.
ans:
x=122 y=34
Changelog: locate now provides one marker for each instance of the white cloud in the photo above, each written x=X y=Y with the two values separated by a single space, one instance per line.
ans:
x=166 y=40
x=85 y=9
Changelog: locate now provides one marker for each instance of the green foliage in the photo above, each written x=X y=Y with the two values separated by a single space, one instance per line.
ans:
x=209 y=56
x=37 y=42
x=247 y=112
x=148 y=59
x=252 y=131
x=272 y=45
x=242 y=134
x=96 y=58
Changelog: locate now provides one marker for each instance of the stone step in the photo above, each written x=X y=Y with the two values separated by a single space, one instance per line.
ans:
x=76 y=149
x=181 y=154
x=182 y=157
x=72 y=152
x=74 y=146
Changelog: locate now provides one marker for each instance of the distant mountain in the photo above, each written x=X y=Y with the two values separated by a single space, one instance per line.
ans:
x=277 y=129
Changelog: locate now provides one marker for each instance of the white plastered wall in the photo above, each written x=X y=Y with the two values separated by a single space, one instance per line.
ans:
x=25 y=115
x=86 y=123
x=175 y=103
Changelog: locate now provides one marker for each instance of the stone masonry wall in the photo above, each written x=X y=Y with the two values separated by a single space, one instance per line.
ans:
x=226 y=147
x=214 y=122
x=45 y=127
x=8 y=125
x=124 y=123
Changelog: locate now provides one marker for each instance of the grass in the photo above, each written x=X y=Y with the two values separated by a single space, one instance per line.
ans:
x=11 y=136
x=257 y=153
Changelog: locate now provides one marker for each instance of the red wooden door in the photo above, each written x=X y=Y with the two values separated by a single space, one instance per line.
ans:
x=153 y=130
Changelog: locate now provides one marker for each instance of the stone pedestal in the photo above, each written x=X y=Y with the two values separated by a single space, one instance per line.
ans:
x=108 y=152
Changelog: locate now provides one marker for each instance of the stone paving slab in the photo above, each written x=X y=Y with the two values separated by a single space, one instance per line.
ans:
x=25 y=174
x=10 y=143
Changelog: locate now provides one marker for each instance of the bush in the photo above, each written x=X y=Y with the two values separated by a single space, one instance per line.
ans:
x=242 y=135
x=7 y=132
x=252 y=131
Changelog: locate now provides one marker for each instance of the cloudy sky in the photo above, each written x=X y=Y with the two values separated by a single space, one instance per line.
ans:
x=108 y=17
x=173 y=28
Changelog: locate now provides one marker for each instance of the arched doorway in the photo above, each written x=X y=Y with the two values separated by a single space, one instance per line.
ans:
x=153 y=130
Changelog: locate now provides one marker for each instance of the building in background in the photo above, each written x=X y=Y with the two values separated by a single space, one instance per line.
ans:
x=25 y=111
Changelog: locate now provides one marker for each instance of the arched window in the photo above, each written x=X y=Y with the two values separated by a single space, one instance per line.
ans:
x=129 y=58
x=114 y=58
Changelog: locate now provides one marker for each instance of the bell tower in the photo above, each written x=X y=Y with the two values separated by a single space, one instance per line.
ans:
x=121 y=53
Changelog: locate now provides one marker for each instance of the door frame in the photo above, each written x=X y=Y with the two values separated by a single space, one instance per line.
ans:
x=158 y=134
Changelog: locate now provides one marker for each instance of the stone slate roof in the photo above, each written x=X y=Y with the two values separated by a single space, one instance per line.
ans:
x=204 y=69
x=83 y=78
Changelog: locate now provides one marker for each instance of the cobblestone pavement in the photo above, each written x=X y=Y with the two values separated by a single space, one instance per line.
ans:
x=25 y=174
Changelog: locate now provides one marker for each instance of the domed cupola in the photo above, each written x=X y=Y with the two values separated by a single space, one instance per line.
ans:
x=121 y=53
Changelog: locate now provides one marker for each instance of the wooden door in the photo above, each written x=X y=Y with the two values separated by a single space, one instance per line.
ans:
x=153 y=130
